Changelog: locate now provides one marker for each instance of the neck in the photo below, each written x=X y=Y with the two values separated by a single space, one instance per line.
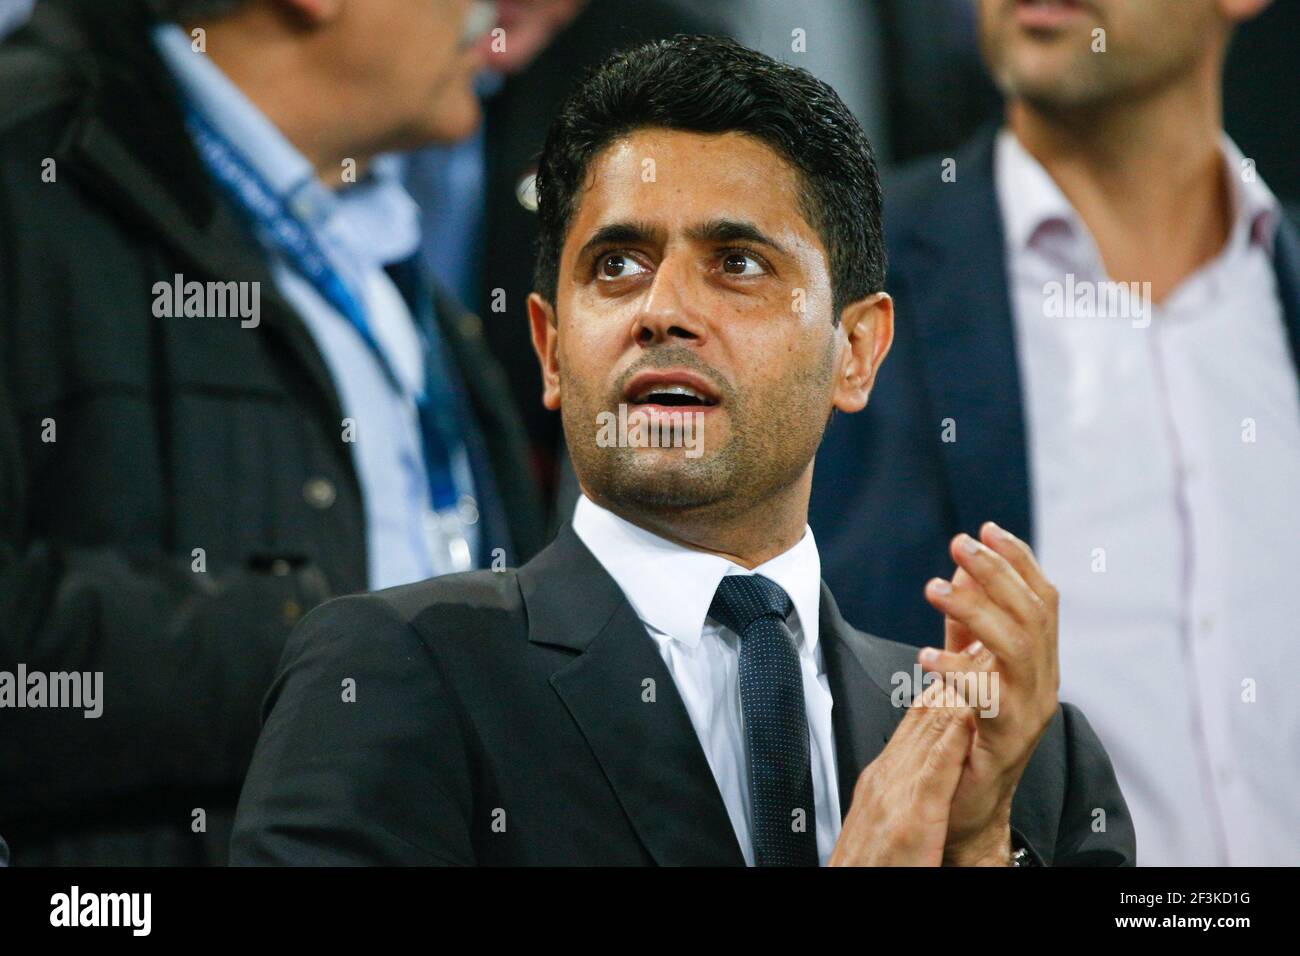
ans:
x=1145 y=175
x=278 y=70
x=749 y=536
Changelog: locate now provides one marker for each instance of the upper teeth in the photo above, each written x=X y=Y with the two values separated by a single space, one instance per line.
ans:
x=669 y=390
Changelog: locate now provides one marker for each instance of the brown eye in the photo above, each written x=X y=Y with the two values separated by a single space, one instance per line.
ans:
x=740 y=263
x=617 y=266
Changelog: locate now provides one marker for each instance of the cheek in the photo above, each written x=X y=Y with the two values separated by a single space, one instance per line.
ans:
x=587 y=352
x=796 y=358
x=593 y=322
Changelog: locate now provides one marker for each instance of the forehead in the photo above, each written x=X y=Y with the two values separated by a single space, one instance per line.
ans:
x=675 y=179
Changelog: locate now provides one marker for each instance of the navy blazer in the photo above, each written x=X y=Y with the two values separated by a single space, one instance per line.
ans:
x=888 y=492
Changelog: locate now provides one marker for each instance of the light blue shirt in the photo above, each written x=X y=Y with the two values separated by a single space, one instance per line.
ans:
x=361 y=229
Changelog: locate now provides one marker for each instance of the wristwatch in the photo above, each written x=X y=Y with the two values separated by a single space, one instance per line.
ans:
x=1022 y=857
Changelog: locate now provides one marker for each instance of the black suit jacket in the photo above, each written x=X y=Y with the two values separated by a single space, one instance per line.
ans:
x=502 y=718
x=172 y=434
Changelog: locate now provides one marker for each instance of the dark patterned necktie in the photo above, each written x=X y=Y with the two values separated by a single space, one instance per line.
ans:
x=784 y=821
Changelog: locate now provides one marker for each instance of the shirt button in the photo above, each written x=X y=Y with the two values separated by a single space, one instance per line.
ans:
x=1207 y=624
x=1225 y=776
x=319 y=493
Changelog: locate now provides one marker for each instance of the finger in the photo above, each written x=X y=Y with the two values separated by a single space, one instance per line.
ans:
x=999 y=579
x=1021 y=557
x=968 y=673
x=945 y=758
x=916 y=722
x=926 y=718
x=956 y=635
x=989 y=622
x=942 y=701
x=974 y=658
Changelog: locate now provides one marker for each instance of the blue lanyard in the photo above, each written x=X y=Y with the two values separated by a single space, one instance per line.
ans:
x=268 y=212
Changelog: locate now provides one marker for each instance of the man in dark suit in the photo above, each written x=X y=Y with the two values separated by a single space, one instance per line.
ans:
x=226 y=394
x=1150 y=454
x=669 y=681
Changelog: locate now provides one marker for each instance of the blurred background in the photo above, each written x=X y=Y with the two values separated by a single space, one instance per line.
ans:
x=87 y=579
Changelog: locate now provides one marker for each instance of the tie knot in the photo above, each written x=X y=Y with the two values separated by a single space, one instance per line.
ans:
x=742 y=599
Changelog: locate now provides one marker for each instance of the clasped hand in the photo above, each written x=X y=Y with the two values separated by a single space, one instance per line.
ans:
x=940 y=791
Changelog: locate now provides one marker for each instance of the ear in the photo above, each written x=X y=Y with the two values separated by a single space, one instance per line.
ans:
x=866 y=331
x=314 y=11
x=546 y=343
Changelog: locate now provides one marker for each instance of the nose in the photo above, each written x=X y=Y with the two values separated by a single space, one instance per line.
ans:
x=667 y=312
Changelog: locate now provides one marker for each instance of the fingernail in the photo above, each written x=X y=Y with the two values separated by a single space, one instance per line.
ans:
x=969 y=544
x=929 y=655
x=940 y=586
x=975 y=649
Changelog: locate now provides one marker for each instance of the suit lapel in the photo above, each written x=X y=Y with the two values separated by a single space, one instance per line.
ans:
x=961 y=309
x=647 y=749
x=862 y=716
x=649 y=752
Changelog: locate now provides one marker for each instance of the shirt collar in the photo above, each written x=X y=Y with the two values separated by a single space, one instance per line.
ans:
x=1032 y=203
x=1256 y=211
x=1029 y=198
x=671 y=586
x=374 y=222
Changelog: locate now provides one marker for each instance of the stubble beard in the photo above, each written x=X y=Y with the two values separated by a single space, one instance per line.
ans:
x=764 y=454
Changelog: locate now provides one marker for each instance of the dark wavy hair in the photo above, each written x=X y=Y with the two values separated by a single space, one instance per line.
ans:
x=707 y=84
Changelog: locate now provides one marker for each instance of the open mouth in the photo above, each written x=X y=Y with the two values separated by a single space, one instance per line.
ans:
x=673 y=396
x=670 y=389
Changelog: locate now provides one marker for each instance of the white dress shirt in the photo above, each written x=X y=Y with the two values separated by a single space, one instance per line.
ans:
x=1165 y=467
x=671 y=587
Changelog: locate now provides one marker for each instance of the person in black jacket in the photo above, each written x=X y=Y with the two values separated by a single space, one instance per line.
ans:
x=197 y=362
x=669 y=682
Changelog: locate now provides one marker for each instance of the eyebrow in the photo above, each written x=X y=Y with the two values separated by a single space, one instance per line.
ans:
x=632 y=232
x=622 y=233
x=733 y=230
